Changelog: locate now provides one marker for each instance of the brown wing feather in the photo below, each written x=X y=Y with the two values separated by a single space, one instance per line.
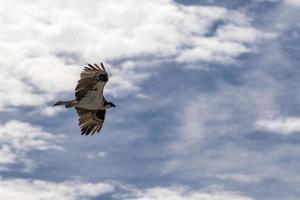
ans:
x=89 y=78
x=90 y=121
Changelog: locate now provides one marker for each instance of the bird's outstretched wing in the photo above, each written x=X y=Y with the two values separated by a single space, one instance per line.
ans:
x=90 y=121
x=92 y=78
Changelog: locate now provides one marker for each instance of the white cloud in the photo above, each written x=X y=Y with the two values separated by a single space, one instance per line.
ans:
x=212 y=50
x=18 y=138
x=285 y=126
x=45 y=49
x=243 y=178
x=229 y=110
x=22 y=189
x=181 y=193
x=229 y=42
x=99 y=155
x=50 y=111
x=246 y=34
x=75 y=190
x=293 y=2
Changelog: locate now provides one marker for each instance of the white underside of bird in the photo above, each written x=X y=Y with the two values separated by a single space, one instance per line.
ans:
x=93 y=99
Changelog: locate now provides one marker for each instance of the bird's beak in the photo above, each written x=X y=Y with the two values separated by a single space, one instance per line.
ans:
x=113 y=105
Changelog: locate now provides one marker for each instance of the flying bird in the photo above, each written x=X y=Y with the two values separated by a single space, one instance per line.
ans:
x=89 y=101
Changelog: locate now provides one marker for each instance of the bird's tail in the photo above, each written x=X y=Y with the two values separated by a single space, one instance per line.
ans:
x=67 y=104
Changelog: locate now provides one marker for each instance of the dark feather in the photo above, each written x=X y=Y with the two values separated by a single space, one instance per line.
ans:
x=89 y=78
x=90 y=121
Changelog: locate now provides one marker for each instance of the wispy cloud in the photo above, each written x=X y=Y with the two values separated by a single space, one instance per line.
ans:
x=293 y=2
x=19 y=189
x=243 y=178
x=76 y=190
x=18 y=138
x=229 y=110
x=180 y=193
x=285 y=126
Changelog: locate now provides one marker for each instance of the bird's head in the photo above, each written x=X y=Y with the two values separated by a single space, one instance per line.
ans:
x=109 y=105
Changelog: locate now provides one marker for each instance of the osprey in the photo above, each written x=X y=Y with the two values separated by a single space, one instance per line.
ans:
x=89 y=101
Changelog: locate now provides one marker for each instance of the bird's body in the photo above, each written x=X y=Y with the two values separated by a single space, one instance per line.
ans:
x=90 y=103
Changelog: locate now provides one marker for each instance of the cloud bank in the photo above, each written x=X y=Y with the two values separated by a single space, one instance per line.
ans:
x=78 y=190
x=18 y=138
x=21 y=189
x=46 y=44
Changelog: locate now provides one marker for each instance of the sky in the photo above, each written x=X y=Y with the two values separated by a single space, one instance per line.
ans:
x=206 y=93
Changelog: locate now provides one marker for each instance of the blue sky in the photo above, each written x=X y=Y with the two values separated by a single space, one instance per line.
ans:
x=207 y=96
